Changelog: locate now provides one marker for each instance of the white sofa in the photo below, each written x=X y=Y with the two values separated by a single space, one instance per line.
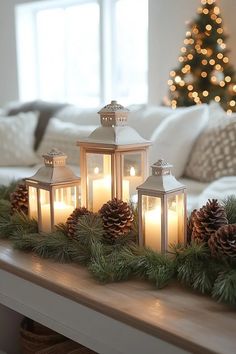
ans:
x=153 y=123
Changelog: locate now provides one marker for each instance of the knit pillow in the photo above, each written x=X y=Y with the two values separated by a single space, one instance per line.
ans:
x=214 y=153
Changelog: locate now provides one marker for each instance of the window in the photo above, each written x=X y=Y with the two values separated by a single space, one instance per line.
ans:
x=83 y=51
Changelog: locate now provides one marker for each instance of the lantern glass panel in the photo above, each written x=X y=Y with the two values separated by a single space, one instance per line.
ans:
x=175 y=225
x=132 y=175
x=45 y=211
x=33 y=203
x=64 y=203
x=99 y=180
x=151 y=221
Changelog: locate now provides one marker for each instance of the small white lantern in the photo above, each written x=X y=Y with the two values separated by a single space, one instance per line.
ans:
x=113 y=159
x=162 y=209
x=53 y=191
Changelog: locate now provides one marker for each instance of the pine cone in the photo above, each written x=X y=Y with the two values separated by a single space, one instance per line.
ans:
x=190 y=224
x=72 y=220
x=117 y=219
x=223 y=241
x=207 y=220
x=20 y=199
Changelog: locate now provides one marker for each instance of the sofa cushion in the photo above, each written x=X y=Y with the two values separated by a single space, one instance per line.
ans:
x=63 y=136
x=17 y=139
x=46 y=111
x=174 y=138
x=213 y=155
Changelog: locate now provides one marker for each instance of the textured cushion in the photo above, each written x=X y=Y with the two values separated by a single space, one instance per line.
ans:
x=46 y=111
x=17 y=139
x=77 y=115
x=63 y=135
x=214 y=153
x=174 y=138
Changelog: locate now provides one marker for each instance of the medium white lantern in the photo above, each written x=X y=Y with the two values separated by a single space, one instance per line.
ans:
x=162 y=209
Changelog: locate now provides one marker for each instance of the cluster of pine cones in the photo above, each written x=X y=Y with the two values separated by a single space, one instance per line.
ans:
x=117 y=219
x=210 y=224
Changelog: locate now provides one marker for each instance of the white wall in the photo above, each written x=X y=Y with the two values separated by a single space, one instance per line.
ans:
x=167 y=31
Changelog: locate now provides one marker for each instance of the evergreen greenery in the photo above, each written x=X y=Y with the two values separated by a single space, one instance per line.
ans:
x=192 y=265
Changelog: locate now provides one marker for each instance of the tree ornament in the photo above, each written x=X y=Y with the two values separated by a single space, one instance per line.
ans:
x=19 y=199
x=207 y=220
x=223 y=241
x=117 y=219
x=217 y=76
x=72 y=220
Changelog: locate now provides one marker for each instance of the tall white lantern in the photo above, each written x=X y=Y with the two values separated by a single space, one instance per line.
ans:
x=113 y=159
x=162 y=209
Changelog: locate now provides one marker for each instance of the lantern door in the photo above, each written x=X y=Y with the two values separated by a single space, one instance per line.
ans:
x=131 y=172
x=151 y=225
x=100 y=179
x=65 y=200
x=175 y=218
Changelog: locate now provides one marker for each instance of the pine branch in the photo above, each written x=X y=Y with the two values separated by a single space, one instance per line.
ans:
x=230 y=208
x=225 y=287
x=55 y=246
x=89 y=229
x=25 y=241
x=22 y=222
x=5 y=191
x=195 y=267
x=5 y=208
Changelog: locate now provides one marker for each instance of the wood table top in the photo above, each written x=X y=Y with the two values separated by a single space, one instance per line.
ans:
x=186 y=319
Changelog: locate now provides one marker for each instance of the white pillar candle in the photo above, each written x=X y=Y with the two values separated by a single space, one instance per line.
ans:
x=61 y=212
x=101 y=192
x=153 y=229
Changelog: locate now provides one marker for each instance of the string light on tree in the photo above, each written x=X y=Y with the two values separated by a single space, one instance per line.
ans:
x=204 y=73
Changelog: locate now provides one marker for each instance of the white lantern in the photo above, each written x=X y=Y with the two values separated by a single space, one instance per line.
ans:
x=113 y=159
x=53 y=191
x=162 y=209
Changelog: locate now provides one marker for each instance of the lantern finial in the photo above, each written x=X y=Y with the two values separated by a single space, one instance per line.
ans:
x=55 y=158
x=161 y=168
x=113 y=114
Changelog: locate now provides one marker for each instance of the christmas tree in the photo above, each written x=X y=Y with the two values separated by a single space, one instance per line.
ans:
x=205 y=73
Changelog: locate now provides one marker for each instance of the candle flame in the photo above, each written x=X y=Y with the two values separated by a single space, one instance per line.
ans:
x=96 y=171
x=132 y=171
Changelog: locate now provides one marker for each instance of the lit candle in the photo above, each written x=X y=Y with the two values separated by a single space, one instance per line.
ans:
x=153 y=228
x=61 y=212
x=102 y=192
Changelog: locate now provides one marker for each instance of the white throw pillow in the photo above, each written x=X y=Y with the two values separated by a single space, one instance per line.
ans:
x=63 y=136
x=17 y=139
x=174 y=138
x=77 y=115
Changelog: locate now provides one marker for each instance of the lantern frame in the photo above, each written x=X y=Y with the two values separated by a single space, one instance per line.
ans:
x=115 y=139
x=163 y=185
x=53 y=176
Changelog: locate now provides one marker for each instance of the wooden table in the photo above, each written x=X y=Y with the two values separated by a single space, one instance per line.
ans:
x=130 y=317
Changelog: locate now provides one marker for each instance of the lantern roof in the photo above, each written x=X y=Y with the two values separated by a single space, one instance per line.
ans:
x=54 y=170
x=114 y=106
x=161 y=180
x=114 y=130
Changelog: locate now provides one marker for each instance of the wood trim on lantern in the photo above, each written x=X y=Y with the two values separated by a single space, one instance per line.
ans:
x=187 y=320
